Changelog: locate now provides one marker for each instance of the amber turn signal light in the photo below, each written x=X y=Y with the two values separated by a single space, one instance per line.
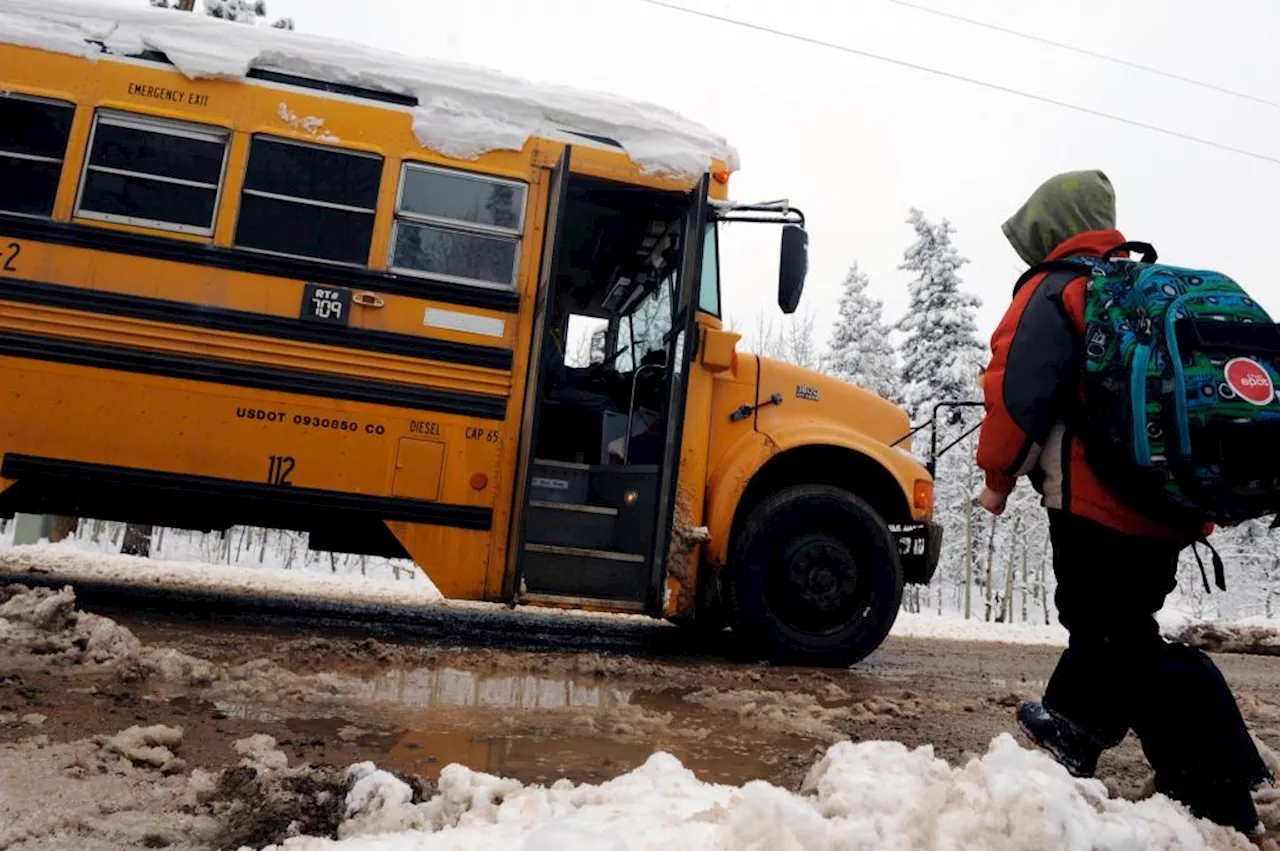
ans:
x=922 y=495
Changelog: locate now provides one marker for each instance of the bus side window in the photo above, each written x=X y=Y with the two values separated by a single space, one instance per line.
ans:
x=585 y=341
x=624 y=362
x=709 y=291
x=153 y=173
x=457 y=226
x=33 y=142
x=308 y=201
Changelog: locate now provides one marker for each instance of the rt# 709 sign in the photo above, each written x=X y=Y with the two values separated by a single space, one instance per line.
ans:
x=326 y=304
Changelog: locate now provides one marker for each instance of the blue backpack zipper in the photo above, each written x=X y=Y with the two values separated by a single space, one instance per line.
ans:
x=1179 y=378
x=1138 y=396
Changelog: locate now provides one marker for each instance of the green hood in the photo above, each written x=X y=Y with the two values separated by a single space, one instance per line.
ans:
x=1064 y=206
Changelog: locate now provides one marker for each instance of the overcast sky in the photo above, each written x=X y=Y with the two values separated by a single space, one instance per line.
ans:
x=856 y=142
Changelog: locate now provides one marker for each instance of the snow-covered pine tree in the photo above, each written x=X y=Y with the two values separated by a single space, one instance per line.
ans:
x=941 y=355
x=240 y=11
x=941 y=359
x=860 y=351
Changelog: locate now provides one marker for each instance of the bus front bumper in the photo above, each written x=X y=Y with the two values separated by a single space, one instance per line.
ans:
x=919 y=546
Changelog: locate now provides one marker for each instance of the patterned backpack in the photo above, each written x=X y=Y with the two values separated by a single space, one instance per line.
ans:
x=1181 y=415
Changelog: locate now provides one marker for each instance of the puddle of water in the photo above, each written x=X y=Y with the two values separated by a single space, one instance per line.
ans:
x=538 y=759
x=582 y=758
x=535 y=728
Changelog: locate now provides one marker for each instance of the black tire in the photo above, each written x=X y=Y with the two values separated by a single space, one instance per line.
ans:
x=815 y=577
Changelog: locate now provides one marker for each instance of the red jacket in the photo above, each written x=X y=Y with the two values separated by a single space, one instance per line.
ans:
x=1035 y=353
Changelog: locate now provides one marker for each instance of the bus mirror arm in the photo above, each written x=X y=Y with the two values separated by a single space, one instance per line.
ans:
x=771 y=213
x=793 y=264
x=934 y=452
x=914 y=431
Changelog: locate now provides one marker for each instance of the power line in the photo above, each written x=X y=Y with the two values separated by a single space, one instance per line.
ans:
x=1085 y=52
x=951 y=75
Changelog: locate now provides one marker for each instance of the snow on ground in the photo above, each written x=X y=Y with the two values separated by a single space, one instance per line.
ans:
x=874 y=795
x=239 y=546
x=311 y=575
x=65 y=561
x=268 y=562
x=463 y=111
x=928 y=625
x=80 y=558
x=1260 y=635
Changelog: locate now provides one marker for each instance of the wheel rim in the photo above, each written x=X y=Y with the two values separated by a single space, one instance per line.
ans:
x=814 y=584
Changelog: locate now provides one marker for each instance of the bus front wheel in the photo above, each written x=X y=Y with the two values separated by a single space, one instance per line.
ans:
x=816 y=577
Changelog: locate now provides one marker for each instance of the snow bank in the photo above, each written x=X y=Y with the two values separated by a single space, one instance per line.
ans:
x=871 y=795
x=41 y=626
x=1232 y=638
x=378 y=802
x=46 y=623
x=1173 y=620
x=259 y=751
x=149 y=746
x=922 y=625
x=463 y=111
x=1255 y=635
x=67 y=562
x=87 y=795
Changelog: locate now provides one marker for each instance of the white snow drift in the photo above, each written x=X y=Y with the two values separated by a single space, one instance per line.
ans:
x=873 y=795
x=463 y=111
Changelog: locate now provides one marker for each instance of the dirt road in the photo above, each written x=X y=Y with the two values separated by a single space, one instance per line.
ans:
x=333 y=699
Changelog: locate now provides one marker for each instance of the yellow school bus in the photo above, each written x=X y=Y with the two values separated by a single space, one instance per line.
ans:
x=509 y=367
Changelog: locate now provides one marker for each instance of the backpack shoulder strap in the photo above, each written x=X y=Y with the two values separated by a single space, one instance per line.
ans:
x=1085 y=265
x=1076 y=265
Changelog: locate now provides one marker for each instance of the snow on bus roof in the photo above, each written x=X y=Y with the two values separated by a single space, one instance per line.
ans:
x=463 y=111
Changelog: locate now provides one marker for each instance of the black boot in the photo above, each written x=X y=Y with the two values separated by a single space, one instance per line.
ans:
x=1072 y=747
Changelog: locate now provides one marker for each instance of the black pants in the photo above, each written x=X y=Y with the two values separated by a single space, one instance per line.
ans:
x=1117 y=674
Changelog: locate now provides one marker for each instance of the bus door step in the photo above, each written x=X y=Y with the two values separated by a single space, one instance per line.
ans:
x=582 y=572
x=570 y=524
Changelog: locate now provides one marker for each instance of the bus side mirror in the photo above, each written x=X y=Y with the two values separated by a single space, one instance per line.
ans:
x=792 y=267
